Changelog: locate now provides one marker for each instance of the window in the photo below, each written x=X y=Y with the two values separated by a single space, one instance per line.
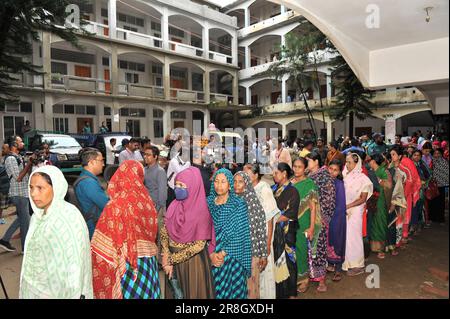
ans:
x=157 y=113
x=140 y=22
x=124 y=112
x=107 y=110
x=130 y=112
x=134 y=127
x=122 y=17
x=131 y=78
x=105 y=61
x=60 y=68
x=178 y=73
x=178 y=115
x=69 y=109
x=61 y=125
x=157 y=69
x=158 y=130
x=156 y=26
x=90 y=110
x=26 y=107
x=123 y=64
x=133 y=66
x=12 y=125
x=176 y=32
x=133 y=29
x=58 y=109
x=104 y=12
x=80 y=109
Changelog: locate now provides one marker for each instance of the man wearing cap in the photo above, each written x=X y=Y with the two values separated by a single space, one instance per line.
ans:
x=378 y=146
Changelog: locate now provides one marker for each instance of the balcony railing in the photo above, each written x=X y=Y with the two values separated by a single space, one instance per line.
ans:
x=254 y=70
x=220 y=57
x=139 y=38
x=76 y=83
x=221 y=99
x=185 y=49
x=187 y=96
x=267 y=23
x=149 y=91
x=98 y=29
x=26 y=80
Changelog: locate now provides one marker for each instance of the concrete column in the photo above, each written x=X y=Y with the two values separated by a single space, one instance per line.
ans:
x=283 y=130
x=112 y=18
x=328 y=86
x=234 y=49
x=390 y=126
x=247 y=57
x=205 y=40
x=165 y=28
x=247 y=17
x=206 y=119
x=47 y=59
x=283 y=91
x=114 y=71
x=206 y=86
x=283 y=9
x=166 y=77
x=148 y=25
x=329 y=129
x=48 y=112
x=248 y=96
x=283 y=40
x=99 y=67
x=167 y=120
x=98 y=12
x=115 y=125
x=235 y=89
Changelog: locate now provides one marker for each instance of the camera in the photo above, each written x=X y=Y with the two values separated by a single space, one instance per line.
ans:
x=41 y=157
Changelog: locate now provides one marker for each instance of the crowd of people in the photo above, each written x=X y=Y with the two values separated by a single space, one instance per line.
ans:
x=224 y=231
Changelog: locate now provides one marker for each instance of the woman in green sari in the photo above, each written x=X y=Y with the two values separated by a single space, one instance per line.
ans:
x=308 y=219
x=379 y=224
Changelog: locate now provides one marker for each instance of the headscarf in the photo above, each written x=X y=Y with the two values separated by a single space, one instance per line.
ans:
x=125 y=231
x=189 y=220
x=58 y=245
x=356 y=182
x=231 y=224
x=256 y=217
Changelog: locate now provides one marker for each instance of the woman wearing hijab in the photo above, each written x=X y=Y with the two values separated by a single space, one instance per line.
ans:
x=256 y=216
x=123 y=246
x=440 y=175
x=358 y=189
x=265 y=196
x=186 y=230
x=285 y=233
x=230 y=250
x=57 y=258
x=327 y=195
x=337 y=234
x=419 y=215
x=308 y=221
x=411 y=187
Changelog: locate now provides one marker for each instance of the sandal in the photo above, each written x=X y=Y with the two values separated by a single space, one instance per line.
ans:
x=322 y=287
x=302 y=287
x=331 y=269
x=394 y=253
x=337 y=276
x=381 y=255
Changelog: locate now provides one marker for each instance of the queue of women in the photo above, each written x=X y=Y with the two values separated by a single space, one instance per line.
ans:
x=247 y=239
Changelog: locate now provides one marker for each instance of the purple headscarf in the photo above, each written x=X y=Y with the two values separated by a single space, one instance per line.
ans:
x=189 y=220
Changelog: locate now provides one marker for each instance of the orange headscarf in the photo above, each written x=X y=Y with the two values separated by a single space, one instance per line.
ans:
x=125 y=231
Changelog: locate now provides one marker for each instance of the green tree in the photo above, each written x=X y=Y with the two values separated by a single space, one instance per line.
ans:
x=352 y=99
x=20 y=24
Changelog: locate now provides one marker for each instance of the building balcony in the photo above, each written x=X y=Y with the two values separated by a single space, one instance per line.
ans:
x=26 y=80
x=221 y=99
x=283 y=17
x=219 y=57
x=139 y=38
x=185 y=49
x=254 y=70
x=139 y=90
x=80 y=84
x=182 y=95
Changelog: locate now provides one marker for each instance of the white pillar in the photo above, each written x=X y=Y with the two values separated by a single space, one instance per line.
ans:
x=112 y=18
x=189 y=80
x=235 y=89
x=48 y=112
x=329 y=129
x=390 y=126
x=283 y=91
x=167 y=121
x=116 y=116
x=247 y=57
x=283 y=9
x=247 y=17
x=328 y=86
x=283 y=130
x=165 y=28
x=283 y=40
x=234 y=50
x=206 y=84
x=47 y=59
x=114 y=71
x=248 y=96
x=166 y=78
x=205 y=39
x=206 y=119
x=98 y=12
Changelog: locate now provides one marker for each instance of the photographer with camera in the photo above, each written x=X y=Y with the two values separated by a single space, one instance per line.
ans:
x=42 y=157
x=18 y=173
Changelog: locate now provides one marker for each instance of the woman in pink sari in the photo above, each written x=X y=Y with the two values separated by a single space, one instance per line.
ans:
x=412 y=185
x=358 y=189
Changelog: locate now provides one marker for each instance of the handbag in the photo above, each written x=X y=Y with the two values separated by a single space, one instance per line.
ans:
x=432 y=190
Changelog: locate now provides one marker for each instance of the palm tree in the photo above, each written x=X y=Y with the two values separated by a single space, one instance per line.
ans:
x=293 y=63
x=352 y=99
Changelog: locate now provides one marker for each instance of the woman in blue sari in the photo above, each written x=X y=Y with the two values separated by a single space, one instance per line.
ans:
x=230 y=250
x=337 y=234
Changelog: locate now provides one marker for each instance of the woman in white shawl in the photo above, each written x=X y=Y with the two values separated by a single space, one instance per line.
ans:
x=358 y=189
x=57 y=259
x=265 y=196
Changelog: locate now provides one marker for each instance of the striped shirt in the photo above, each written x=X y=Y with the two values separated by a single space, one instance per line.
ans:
x=14 y=165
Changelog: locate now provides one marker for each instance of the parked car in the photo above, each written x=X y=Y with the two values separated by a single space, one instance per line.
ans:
x=99 y=141
x=64 y=149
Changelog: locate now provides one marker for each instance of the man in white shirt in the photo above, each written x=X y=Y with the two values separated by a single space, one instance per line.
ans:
x=111 y=152
x=131 y=152
x=176 y=165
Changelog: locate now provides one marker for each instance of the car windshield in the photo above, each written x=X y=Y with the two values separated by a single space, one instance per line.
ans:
x=60 y=142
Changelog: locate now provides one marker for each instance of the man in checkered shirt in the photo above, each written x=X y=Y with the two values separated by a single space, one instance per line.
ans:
x=18 y=173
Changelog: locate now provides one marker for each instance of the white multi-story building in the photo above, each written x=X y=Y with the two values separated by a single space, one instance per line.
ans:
x=150 y=66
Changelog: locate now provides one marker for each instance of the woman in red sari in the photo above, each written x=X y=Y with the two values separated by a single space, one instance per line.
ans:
x=123 y=246
x=412 y=185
